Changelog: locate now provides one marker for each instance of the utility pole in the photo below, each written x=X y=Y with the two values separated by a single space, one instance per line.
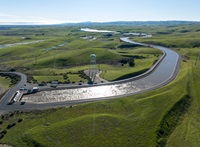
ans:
x=54 y=60
x=35 y=59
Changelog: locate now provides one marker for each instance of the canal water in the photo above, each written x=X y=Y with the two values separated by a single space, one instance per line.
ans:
x=159 y=76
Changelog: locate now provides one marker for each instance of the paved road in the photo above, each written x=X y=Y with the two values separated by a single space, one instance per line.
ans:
x=5 y=99
x=161 y=74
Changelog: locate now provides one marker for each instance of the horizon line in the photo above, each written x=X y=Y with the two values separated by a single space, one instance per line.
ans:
x=74 y=22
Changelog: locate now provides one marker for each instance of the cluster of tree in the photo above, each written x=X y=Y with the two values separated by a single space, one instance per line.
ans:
x=39 y=34
x=128 y=45
x=65 y=77
x=108 y=35
x=130 y=61
x=2 y=134
x=14 y=78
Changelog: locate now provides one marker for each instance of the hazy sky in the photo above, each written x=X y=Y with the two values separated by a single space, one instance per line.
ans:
x=59 y=11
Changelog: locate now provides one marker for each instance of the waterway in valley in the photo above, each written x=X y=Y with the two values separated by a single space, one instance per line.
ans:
x=159 y=76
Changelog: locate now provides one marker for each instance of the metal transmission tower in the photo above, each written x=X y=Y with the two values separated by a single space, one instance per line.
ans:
x=92 y=70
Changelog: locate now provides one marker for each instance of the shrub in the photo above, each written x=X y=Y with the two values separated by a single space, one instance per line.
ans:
x=5 y=117
x=3 y=132
x=124 y=60
x=12 y=114
x=19 y=120
x=11 y=125
x=162 y=142
x=131 y=63
x=1 y=136
x=12 y=69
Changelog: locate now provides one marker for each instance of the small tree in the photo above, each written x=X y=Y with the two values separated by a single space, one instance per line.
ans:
x=65 y=77
x=132 y=63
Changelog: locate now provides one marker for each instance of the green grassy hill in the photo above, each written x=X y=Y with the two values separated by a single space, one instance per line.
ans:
x=4 y=84
x=68 y=51
x=133 y=120
x=168 y=116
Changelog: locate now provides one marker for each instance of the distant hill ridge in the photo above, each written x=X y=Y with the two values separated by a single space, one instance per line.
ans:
x=132 y=23
x=117 y=23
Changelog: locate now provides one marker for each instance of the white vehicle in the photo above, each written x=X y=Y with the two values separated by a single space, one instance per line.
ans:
x=35 y=89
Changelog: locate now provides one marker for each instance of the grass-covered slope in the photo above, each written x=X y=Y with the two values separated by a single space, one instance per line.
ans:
x=5 y=84
x=187 y=133
x=129 y=121
x=65 y=47
x=185 y=36
x=166 y=116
